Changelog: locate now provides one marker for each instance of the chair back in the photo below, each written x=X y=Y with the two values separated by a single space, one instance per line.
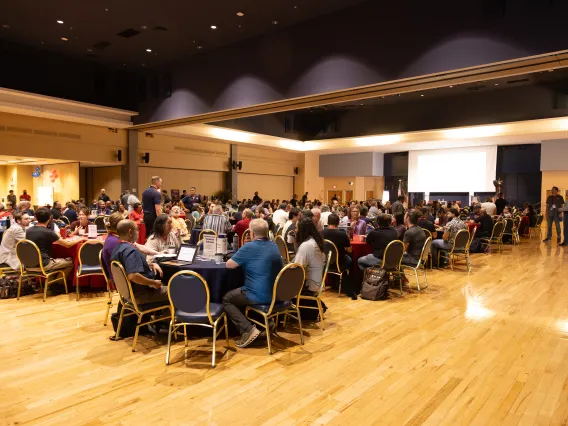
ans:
x=331 y=249
x=122 y=283
x=65 y=219
x=325 y=270
x=271 y=235
x=508 y=225
x=282 y=248
x=392 y=256
x=539 y=220
x=100 y=222
x=472 y=236
x=461 y=240
x=427 y=233
x=246 y=234
x=189 y=223
x=279 y=230
x=288 y=284
x=89 y=254
x=498 y=230
x=206 y=232
x=188 y=292
x=103 y=268
x=425 y=251
x=28 y=255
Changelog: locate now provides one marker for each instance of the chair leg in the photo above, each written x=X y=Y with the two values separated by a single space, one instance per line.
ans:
x=77 y=286
x=340 y=281
x=468 y=262
x=268 y=337
x=119 y=323
x=19 y=286
x=109 y=305
x=45 y=285
x=417 y=281
x=169 y=342
x=64 y=282
x=320 y=309
x=136 y=333
x=214 y=341
x=425 y=279
x=300 y=325
x=185 y=334
x=227 y=333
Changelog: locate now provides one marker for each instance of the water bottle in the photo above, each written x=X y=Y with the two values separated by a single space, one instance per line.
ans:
x=235 y=242
x=222 y=244
x=2 y=224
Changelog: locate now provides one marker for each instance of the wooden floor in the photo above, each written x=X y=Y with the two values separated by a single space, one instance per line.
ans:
x=484 y=348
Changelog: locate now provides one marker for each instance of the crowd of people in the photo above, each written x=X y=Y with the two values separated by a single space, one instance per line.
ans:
x=304 y=225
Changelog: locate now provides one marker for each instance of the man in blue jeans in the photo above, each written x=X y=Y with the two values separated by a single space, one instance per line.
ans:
x=261 y=263
x=554 y=203
x=451 y=230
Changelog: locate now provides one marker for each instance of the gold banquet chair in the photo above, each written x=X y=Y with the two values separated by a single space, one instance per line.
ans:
x=89 y=262
x=31 y=265
x=331 y=248
x=282 y=249
x=317 y=297
x=287 y=287
x=206 y=232
x=421 y=265
x=111 y=293
x=128 y=301
x=245 y=235
x=496 y=236
x=392 y=260
x=460 y=246
x=537 y=227
x=190 y=304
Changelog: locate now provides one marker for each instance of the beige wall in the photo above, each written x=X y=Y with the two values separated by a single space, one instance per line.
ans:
x=108 y=178
x=314 y=184
x=268 y=187
x=45 y=138
x=65 y=187
x=206 y=182
x=359 y=187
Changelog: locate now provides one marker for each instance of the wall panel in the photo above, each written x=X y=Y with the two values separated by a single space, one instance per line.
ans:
x=268 y=186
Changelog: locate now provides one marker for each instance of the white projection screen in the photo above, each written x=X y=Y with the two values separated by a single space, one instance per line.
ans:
x=470 y=169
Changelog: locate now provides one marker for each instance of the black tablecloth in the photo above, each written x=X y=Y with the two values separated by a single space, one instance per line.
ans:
x=195 y=236
x=219 y=279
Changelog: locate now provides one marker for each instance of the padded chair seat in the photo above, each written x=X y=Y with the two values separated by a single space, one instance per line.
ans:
x=146 y=306
x=278 y=307
x=90 y=269
x=215 y=309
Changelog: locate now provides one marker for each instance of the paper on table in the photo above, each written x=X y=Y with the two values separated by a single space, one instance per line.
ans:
x=92 y=231
x=209 y=246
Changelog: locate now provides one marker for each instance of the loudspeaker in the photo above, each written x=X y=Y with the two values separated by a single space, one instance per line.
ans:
x=146 y=157
x=296 y=170
x=240 y=165
x=118 y=155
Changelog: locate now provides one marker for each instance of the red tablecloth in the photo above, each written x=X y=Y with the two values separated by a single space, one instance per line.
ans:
x=141 y=233
x=360 y=249
x=92 y=281
x=524 y=226
x=472 y=226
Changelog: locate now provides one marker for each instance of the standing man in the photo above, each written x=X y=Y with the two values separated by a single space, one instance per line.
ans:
x=151 y=203
x=565 y=210
x=167 y=198
x=124 y=198
x=304 y=199
x=192 y=198
x=554 y=203
x=12 y=197
x=256 y=198
x=104 y=197
x=25 y=196
x=294 y=201
x=398 y=207
x=500 y=203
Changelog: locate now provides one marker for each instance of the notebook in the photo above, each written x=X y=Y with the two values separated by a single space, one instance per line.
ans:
x=185 y=256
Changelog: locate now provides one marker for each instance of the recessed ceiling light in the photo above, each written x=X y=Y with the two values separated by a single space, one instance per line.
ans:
x=89 y=50
x=422 y=95
x=451 y=87
x=144 y=27
x=148 y=50
x=240 y=26
x=213 y=27
x=143 y=64
x=199 y=47
x=240 y=14
x=5 y=26
x=496 y=84
x=274 y=22
x=295 y=7
x=60 y=22
x=106 y=10
x=64 y=38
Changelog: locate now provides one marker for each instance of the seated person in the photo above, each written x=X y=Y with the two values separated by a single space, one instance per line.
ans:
x=102 y=209
x=310 y=255
x=217 y=221
x=358 y=225
x=11 y=236
x=261 y=263
x=26 y=207
x=71 y=212
x=426 y=223
x=341 y=241
x=7 y=211
x=452 y=228
x=260 y=213
x=400 y=228
x=532 y=216
x=145 y=279
x=290 y=228
x=56 y=210
x=111 y=207
x=163 y=237
x=379 y=240
x=122 y=211
x=343 y=218
x=485 y=225
x=178 y=224
x=81 y=226
x=136 y=215
x=506 y=213
x=475 y=212
x=243 y=225
x=413 y=240
x=44 y=238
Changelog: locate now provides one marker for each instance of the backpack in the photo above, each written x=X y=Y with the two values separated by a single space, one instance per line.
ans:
x=9 y=287
x=375 y=284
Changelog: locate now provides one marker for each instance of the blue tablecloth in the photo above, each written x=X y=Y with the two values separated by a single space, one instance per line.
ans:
x=219 y=279
x=195 y=236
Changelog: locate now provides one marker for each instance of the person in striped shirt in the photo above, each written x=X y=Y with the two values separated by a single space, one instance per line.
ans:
x=217 y=221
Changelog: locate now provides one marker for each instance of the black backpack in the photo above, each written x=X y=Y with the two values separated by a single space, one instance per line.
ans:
x=375 y=284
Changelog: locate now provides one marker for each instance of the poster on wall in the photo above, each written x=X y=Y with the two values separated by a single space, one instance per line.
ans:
x=45 y=195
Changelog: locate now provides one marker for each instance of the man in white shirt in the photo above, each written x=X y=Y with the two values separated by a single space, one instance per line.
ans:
x=317 y=219
x=324 y=214
x=489 y=206
x=280 y=216
x=12 y=235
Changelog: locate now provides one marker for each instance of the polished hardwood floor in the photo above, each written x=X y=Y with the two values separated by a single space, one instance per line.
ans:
x=489 y=347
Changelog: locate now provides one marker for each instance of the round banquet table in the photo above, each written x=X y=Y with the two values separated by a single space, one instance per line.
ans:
x=94 y=281
x=219 y=279
x=524 y=226
x=359 y=249
x=141 y=233
x=472 y=226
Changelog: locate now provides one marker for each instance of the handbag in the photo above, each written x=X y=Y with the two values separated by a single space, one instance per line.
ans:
x=375 y=284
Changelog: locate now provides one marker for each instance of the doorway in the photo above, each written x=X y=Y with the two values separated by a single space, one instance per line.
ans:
x=334 y=193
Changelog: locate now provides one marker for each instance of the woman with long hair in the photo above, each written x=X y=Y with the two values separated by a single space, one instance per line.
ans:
x=310 y=254
x=163 y=237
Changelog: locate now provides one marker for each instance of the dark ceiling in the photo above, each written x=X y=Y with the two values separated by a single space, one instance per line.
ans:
x=120 y=32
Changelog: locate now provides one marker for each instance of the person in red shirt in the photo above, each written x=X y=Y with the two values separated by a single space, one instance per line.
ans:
x=25 y=196
x=243 y=225
x=137 y=215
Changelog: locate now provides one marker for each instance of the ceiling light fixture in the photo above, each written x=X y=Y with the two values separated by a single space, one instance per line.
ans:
x=148 y=50
x=451 y=87
x=378 y=140
x=199 y=47
x=60 y=22
x=144 y=27
x=106 y=10
x=6 y=26
x=64 y=38
x=274 y=22
x=422 y=96
x=240 y=14
x=496 y=84
x=213 y=27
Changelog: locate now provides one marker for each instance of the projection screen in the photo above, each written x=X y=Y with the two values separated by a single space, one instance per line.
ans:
x=470 y=169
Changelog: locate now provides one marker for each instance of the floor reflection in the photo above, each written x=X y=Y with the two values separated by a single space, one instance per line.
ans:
x=475 y=308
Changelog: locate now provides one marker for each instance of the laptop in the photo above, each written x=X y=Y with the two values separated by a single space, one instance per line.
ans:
x=185 y=256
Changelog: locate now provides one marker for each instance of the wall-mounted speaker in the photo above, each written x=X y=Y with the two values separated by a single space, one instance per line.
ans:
x=296 y=170
x=240 y=165
x=146 y=157
x=119 y=155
